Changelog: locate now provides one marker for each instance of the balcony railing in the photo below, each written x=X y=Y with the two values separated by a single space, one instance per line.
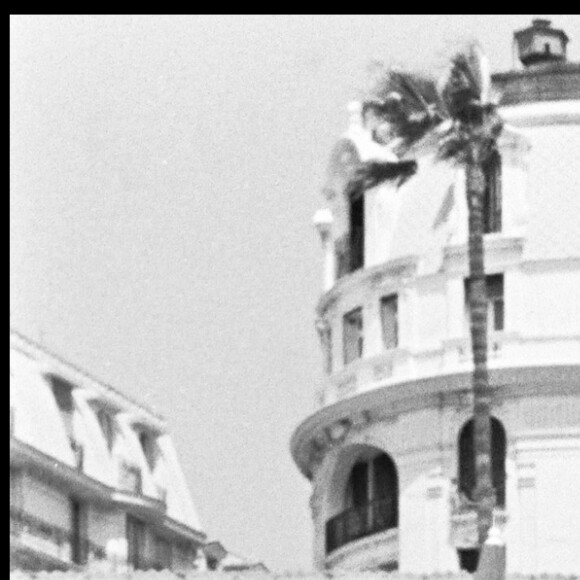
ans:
x=360 y=521
x=53 y=540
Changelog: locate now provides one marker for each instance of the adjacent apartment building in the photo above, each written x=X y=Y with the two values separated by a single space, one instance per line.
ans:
x=93 y=473
x=389 y=450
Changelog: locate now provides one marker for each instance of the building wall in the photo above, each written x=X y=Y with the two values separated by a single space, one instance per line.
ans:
x=542 y=497
x=43 y=490
x=104 y=524
x=416 y=247
x=45 y=501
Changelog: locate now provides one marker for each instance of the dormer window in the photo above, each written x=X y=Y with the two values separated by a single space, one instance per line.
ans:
x=130 y=478
x=106 y=423
x=149 y=447
x=62 y=391
x=492 y=202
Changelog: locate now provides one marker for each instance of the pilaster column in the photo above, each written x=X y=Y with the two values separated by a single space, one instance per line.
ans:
x=455 y=308
x=319 y=531
x=323 y=222
x=526 y=482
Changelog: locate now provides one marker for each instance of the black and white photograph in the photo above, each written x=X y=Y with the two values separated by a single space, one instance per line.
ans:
x=294 y=297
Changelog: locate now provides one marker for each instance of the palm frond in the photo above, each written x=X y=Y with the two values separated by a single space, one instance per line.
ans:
x=407 y=101
x=372 y=173
x=466 y=93
x=455 y=148
x=466 y=85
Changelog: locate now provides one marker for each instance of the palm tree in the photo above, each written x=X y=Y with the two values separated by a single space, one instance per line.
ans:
x=470 y=139
x=467 y=126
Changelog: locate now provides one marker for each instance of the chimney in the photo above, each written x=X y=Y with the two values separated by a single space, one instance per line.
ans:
x=540 y=43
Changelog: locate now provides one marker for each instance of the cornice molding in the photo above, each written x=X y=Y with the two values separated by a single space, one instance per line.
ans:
x=542 y=113
x=310 y=440
x=71 y=479
x=387 y=541
x=399 y=270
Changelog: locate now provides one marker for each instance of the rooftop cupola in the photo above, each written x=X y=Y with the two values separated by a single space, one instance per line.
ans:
x=540 y=43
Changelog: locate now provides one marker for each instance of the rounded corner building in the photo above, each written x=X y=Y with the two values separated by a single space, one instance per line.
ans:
x=389 y=452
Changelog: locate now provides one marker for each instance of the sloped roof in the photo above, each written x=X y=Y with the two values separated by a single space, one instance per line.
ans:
x=38 y=423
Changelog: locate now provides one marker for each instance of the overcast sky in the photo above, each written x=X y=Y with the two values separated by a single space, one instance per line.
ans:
x=164 y=174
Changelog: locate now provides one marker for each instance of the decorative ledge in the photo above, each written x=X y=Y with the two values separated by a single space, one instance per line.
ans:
x=385 y=543
x=401 y=268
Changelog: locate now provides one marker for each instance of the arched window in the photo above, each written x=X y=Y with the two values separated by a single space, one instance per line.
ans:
x=371 y=497
x=468 y=558
x=492 y=202
x=466 y=475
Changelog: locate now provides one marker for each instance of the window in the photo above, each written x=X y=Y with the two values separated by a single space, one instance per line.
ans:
x=325 y=335
x=371 y=480
x=135 y=530
x=149 y=447
x=466 y=475
x=328 y=352
x=79 y=544
x=130 y=478
x=63 y=395
x=62 y=391
x=107 y=427
x=163 y=554
x=492 y=203
x=495 y=301
x=15 y=488
x=469 y=557
x=353 y=335
x=389 y=321
x=370 y=502
x=357 y=230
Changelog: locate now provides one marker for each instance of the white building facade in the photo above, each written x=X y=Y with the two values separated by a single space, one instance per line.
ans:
x=389 y=451
x=93 y=474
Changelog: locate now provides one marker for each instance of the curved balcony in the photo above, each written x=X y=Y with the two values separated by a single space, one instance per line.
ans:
x=449 y=357
x=331 y=424
x=359 y=522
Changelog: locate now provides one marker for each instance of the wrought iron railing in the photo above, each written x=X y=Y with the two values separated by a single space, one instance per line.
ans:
x=358 y=522
x=67 y=544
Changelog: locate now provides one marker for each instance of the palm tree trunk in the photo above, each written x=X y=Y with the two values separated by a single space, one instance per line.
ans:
x=477 y=303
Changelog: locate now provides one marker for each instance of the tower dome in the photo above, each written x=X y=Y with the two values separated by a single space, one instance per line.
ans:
x=389 y=450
